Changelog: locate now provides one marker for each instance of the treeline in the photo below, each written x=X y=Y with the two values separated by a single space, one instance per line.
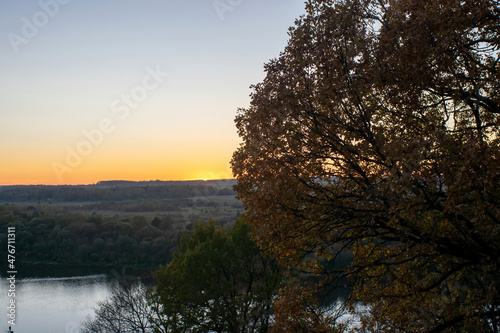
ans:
x=42 y=237
x=114 y=191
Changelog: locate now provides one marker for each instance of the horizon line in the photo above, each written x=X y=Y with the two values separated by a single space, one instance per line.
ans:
x=124 y=180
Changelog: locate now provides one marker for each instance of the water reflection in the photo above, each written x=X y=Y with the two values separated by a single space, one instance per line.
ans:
x=53 y=305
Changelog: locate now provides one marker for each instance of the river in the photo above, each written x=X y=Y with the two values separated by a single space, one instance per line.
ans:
x=51 y=305
x=59 y=304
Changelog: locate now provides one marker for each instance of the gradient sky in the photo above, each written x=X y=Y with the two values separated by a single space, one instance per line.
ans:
x=137 y=90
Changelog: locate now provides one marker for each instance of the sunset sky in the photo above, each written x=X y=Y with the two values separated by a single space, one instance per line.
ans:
x=134 y=90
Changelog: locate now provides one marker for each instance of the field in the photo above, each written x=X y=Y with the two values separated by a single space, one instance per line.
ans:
x=180 y=203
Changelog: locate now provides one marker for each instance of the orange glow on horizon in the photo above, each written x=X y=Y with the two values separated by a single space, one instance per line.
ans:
x=117 y=168
x=187 y=159
x=200 y=175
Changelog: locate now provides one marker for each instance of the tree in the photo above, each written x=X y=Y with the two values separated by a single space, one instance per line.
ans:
x=127 y=310
x=218 y=282
x=377 y=131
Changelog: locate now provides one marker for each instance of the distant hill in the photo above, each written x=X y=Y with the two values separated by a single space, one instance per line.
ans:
x=116 y=190
x=124 y=183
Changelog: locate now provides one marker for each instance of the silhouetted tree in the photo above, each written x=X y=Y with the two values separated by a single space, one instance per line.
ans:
x=126 y=310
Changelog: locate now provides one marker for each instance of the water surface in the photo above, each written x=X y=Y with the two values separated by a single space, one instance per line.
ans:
x=53 y=305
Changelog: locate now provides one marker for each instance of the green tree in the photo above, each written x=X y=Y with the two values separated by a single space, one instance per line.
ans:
x=218 y=281
x=377 y=130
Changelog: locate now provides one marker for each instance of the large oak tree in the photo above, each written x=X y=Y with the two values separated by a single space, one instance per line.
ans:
x=377 y=131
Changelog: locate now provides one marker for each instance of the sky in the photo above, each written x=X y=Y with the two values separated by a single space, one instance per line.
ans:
x=131 y=89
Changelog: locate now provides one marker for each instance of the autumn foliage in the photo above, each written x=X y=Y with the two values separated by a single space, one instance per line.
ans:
x=377 y=132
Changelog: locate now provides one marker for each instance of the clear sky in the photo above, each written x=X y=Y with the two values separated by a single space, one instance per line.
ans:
x=131 y=89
